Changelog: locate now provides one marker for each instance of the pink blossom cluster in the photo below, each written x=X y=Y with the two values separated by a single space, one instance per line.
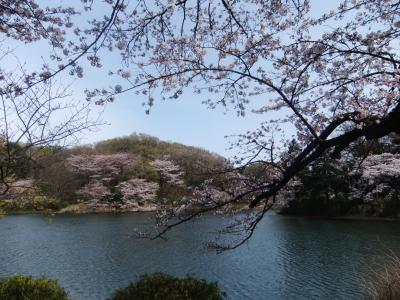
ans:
x=137 y=190
x=107 y=178
x=379 y=177
x=168 y=170
x=382 y=165
x=102 y=166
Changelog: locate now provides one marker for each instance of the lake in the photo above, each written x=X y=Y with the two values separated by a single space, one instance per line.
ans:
x=287 y=258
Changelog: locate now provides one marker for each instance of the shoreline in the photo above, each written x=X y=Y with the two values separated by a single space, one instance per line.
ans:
x=77 y=209
x=81 y=208
x=345 y=218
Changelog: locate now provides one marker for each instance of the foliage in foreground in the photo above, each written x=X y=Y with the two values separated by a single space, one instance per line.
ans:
x=386 y=284
x=166 y=287
x=28 y=288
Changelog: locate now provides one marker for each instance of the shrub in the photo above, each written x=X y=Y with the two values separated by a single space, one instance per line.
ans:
x=28 y=288
x=166 y=287
x=386 y=283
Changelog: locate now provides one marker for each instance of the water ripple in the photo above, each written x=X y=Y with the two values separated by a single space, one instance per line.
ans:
x=288 y=258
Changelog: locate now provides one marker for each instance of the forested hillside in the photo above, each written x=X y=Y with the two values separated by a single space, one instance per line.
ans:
x=141 y=172
x=138 y=171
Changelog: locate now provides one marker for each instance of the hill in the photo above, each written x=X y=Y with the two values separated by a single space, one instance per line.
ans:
x=121 y=173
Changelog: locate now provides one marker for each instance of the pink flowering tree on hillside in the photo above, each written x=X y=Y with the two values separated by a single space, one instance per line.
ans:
x=103 y=171
x=104 y=166
x=95 y=191
x=169 y=173
x=137 y=192
x=109 y=181
x=378 y=180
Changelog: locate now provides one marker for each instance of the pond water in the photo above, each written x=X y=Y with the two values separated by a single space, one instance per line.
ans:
x=288 y=258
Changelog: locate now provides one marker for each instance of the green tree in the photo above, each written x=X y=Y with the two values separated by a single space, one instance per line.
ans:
x=28 y=288
x=162 y=286
x=322 y=189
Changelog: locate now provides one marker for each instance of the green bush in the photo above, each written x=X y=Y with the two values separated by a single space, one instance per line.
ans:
x=162 y=286
x=28 y=288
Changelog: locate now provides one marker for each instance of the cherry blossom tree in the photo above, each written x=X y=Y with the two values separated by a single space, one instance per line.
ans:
x=379 y=177
x=95 y=191
x=332 y=78
x=169 y=171
x=29 y=22
x=106 y=181
x=104 y=167
x=137 y=192
x=381 y=165
x=103 y=171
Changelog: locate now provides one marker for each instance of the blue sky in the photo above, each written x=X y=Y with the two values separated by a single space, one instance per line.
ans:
x=185 y=120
